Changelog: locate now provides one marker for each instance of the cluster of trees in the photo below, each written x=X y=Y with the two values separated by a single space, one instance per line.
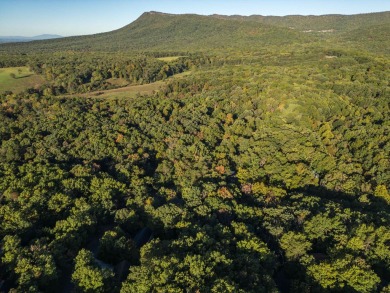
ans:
x=263 y=177
x=12 y=60
x=80 y=73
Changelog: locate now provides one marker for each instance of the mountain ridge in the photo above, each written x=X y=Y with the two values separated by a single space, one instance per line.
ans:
x=9 y=39
x=185 y=32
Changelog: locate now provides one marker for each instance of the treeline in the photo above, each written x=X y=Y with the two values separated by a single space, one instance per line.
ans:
x=13 y=60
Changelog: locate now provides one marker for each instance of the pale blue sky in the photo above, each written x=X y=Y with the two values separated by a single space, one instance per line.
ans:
x=77 y=17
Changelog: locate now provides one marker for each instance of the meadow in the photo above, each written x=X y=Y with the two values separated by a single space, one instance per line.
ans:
x=18 y=79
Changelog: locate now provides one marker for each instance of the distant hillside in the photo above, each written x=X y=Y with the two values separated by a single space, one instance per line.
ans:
x=335 y=22
x=11 y=39
x=189 y=32
x=158 y=31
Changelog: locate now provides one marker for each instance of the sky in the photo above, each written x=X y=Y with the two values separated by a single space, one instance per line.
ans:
x=80 y=17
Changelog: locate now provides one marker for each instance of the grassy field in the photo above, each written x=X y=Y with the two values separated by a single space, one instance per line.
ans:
x=125 y=92
x=168 y=59
x=17 y=79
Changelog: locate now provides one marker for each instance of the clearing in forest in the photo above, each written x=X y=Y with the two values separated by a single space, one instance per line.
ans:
x=130 y=91
x=17 y=79
x=170 y=58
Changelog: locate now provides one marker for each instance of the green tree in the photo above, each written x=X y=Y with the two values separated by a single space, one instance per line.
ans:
x=294 y=245
x=88 y=276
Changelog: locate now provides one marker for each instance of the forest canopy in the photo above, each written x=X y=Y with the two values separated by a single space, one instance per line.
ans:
x=259 y=168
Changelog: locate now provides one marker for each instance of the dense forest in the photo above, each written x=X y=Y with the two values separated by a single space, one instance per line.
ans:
x=264 y=168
